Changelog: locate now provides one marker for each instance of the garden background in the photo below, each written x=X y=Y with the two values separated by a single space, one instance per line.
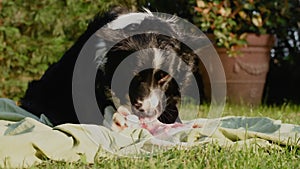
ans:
x=35 y=34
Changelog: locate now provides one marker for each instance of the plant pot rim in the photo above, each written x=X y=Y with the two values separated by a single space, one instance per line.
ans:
x=253 y=39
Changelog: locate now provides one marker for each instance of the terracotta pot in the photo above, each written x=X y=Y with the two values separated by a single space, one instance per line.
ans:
x=246 y=74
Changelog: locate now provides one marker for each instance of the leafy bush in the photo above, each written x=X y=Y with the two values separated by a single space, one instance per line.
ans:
x=229 y=21
x=35 y=34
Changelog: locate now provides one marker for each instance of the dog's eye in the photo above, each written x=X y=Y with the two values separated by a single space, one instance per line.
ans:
x=138 y=105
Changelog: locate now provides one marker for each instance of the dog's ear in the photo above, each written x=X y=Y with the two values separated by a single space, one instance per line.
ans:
x=108 y=16
x=164 y=82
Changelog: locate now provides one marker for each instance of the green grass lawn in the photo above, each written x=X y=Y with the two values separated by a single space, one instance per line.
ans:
x=287 y=113
x=211 y=156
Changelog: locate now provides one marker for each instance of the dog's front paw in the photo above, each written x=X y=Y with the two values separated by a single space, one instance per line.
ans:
x=119 y=122
x=116 y=120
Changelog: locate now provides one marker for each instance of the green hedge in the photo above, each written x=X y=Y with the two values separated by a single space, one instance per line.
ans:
x=36 y=33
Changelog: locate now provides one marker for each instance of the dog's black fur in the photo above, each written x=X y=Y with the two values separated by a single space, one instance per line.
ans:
x=52 y=94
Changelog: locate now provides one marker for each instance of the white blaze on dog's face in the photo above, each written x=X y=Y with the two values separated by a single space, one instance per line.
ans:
x=148 y=87
x=150 y=107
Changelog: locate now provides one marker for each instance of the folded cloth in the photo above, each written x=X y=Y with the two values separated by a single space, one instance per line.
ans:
x=26 y=140
x=11 y=112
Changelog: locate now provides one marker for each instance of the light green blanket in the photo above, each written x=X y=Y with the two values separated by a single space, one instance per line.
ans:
x=26 y=139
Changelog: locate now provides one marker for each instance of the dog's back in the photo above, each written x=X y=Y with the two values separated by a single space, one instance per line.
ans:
x=52 y=94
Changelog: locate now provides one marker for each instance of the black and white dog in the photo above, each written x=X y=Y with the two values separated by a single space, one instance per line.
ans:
x=153 y=92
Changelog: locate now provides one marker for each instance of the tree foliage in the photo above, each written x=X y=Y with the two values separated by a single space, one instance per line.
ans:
x=36 y=33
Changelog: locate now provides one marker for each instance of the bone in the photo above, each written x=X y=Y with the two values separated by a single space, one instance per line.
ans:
x=123 y=119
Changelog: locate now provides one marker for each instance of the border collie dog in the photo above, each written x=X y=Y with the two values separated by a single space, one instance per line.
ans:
x=154 y=92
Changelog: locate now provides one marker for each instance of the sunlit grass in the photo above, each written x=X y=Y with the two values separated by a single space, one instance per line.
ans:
x=208 y=157
x=287 y=113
